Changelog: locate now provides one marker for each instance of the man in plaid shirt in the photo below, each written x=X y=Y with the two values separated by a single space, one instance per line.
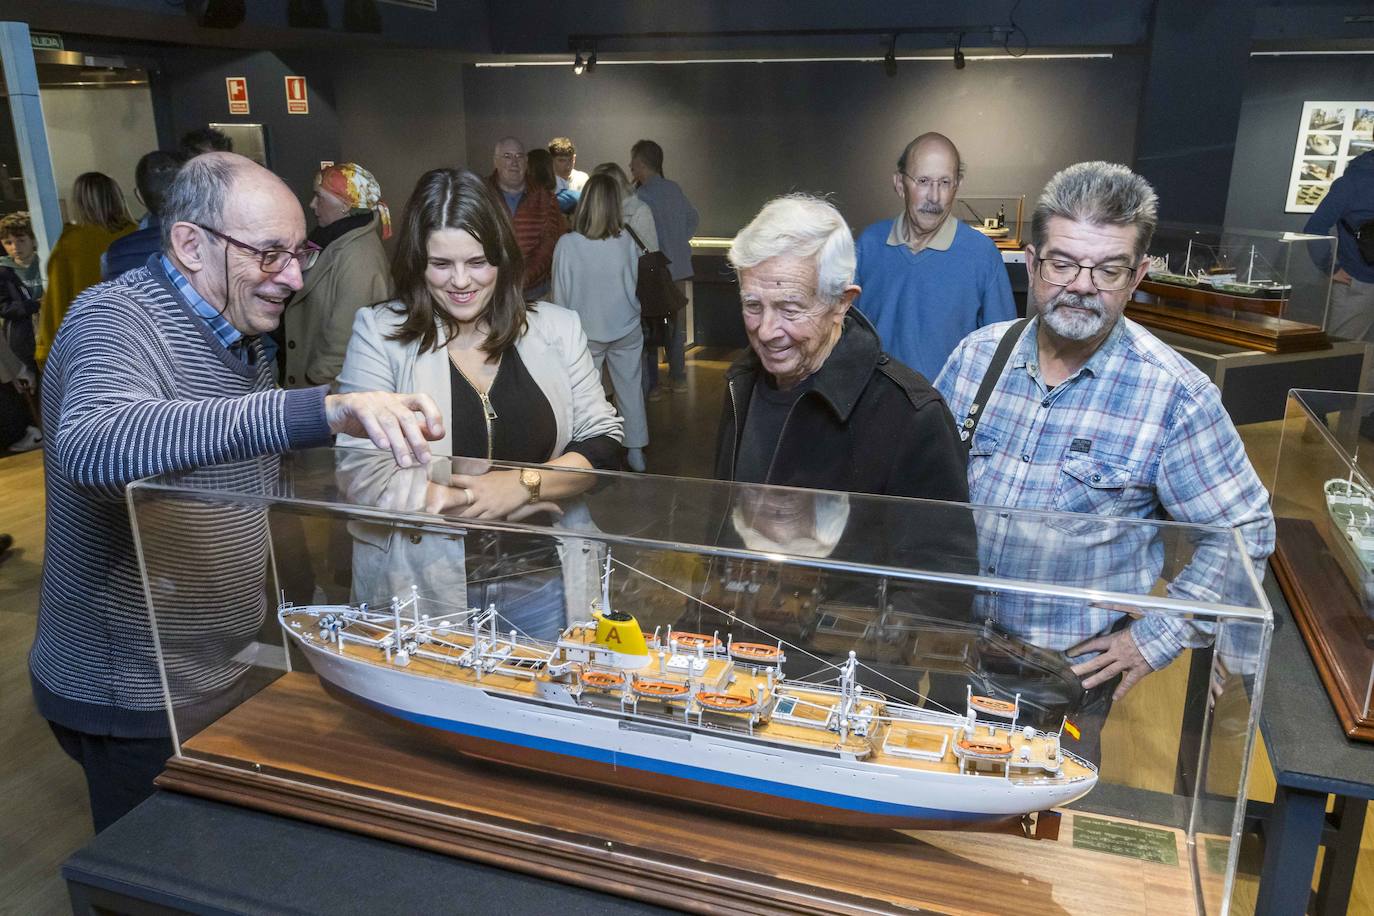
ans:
x=1093 y=414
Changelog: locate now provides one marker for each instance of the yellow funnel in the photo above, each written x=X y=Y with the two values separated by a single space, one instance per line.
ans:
x=620 y=632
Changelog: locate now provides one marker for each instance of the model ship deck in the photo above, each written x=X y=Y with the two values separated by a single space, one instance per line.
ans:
x=692 y=681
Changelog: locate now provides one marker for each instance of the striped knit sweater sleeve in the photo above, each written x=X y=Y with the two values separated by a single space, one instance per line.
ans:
x=137 y=385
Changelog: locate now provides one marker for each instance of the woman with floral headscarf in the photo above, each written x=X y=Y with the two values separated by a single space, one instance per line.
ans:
x=352 y=272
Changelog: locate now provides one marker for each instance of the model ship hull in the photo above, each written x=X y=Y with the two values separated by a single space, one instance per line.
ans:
x=1350 y=511
x=553 y=734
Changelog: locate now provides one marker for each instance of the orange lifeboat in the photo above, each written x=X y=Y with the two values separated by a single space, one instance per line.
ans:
x=693 y=640
x=659 y=690
x=756 y=652
x=602 y=680
x=984 y=748
x=724 y=702
x=990 y=705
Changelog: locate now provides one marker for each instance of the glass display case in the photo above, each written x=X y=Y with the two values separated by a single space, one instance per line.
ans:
x=1324 y=509
x=708 y=693
x=1268 y=290
x=997 y=217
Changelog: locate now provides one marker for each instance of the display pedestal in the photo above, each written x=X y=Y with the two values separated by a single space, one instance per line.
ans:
x=293 y=750
x=1331 y=617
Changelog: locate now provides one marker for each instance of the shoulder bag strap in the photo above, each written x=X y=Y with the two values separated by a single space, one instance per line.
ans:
x=990 y=378
x=636 y=238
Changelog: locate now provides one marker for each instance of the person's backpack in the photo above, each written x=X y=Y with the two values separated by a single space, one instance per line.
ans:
x=1364 y=238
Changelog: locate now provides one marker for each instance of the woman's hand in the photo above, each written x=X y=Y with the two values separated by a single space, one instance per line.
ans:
x=495 y=495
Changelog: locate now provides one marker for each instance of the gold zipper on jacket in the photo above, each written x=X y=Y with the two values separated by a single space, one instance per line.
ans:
x=488 y=412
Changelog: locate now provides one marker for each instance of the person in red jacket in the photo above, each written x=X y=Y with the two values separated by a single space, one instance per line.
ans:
x=534 y=211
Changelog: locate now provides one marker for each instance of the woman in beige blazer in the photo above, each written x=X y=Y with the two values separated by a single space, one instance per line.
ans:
x=513 y=382
x=350 y=274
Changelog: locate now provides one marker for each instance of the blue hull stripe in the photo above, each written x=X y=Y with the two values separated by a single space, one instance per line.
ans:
x=682 y=771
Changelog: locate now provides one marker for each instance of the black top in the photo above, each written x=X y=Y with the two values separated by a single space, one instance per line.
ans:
x=324 y=235
x=524 y=428
x=768 y=409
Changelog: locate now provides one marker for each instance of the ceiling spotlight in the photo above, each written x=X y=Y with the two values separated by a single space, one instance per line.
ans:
x=591 y=61
x=890 y=61
x=578 y=65
x=958 y=52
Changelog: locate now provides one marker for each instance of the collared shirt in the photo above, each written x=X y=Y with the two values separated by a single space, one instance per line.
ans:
x=230 y=337
x=1136 y=432
x=940 y=241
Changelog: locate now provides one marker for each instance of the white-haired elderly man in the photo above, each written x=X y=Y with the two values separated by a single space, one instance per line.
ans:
x=815 y=402
x=1091 y=413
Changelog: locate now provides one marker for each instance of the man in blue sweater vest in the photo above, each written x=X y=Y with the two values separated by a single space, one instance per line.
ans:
x=169 y=369
x=928 y=280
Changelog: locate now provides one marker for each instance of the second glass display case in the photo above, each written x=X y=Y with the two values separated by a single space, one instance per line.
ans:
x=1324 y=508
x=1265 y=291
x=710 y=694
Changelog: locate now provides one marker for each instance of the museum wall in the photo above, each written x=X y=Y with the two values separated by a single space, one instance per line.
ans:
x=400 y=114
x=737 y=134
x=190 y=88
x=1275 y=89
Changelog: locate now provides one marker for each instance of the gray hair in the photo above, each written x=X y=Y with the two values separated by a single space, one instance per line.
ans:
x=1102 y=193
x=197 y=194
x=802 y=226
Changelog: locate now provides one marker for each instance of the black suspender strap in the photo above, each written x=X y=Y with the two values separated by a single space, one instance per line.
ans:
x=990 y=378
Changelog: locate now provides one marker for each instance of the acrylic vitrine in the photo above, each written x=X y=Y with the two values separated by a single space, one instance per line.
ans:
x=1263 y=290
x=710 y=694
x=997 y=217
x=1324 y=508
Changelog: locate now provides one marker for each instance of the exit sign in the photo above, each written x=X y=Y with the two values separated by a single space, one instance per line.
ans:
x=45 y=41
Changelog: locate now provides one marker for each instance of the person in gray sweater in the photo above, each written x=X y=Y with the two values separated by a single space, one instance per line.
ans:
x=169 y=369
x=676 y=220
x=595 y=270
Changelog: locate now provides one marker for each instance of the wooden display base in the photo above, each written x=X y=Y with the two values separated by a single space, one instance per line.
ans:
x=1208 y=298
x=1255 y=332
x=293 y=750
x=1331 y=617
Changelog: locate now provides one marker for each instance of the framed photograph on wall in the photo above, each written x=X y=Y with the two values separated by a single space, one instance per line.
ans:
x=1330 y=134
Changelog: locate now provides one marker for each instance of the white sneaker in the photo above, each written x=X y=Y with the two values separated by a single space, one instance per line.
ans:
x=33 y=438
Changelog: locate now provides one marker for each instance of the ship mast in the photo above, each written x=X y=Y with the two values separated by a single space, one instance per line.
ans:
x=606 y=584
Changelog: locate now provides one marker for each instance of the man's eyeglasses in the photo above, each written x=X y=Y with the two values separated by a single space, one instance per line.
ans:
x=272 y=260
x=943 y=185
x=1107 y=277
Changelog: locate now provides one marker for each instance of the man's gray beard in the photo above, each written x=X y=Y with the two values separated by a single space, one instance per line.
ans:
x=1073 y=326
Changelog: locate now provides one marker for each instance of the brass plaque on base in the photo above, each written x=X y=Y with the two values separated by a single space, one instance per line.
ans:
x=1330 y=616
x=295 y=751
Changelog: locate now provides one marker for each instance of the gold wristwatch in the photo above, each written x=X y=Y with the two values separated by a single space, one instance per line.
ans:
x=530 y=480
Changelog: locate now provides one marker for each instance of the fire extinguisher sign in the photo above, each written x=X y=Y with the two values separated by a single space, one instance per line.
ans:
x=297 y=99
x=236 y=87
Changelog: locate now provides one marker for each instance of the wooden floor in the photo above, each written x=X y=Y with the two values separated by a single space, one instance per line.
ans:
x=43 y=809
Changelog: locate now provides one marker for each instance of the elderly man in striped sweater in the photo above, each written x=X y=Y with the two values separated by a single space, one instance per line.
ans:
x=170 y=368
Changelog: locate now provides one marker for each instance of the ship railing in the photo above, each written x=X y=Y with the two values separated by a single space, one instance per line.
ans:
x=1070 y=755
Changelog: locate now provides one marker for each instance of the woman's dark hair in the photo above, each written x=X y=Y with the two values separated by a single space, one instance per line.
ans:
x=457 y=199
x=540 y=162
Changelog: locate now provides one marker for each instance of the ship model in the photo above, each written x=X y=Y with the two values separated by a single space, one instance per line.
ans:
x=1350 y=509
x=690 y=716
x=1223 y=277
